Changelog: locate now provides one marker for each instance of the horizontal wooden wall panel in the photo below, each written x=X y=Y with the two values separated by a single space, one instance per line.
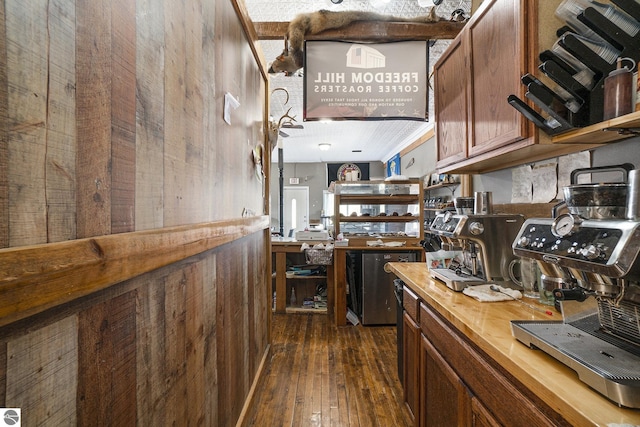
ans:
x=35 y=278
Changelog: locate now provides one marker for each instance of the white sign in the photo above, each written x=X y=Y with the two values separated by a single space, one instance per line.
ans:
x=10 y=417
x=373 y=81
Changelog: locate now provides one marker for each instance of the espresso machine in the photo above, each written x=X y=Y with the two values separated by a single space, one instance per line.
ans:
x=484 y=241
x=590 y=261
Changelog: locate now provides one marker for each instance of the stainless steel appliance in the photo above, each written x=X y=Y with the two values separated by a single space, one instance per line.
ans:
x=485 y=244
x=379 y=304
x=592 y=257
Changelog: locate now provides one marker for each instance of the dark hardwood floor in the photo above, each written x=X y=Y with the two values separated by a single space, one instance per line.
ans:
x=321 y=375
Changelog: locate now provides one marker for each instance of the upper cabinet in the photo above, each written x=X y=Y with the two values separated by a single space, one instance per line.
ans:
x=476 y=128
x=451 y=76
x=497 y=52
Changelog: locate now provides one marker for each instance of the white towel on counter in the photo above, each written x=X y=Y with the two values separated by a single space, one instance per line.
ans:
x=483 y=293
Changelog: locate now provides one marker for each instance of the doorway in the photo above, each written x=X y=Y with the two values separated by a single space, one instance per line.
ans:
x=296 y=209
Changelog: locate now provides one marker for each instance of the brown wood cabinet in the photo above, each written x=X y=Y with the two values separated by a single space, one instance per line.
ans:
x=465 y=386
x=509 y=383
x=447 y=381
x=476 y=128
x=444 y=398
x=497 y=41
x=411 y=352
x=473 y=79
x=480 y=416
x=451 y=75
x=288 y=251
x=411 y=364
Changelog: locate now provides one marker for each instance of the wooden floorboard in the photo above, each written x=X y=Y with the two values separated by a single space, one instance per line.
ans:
x=322 y=375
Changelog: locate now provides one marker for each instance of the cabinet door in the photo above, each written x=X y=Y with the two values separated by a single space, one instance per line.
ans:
x=411 y=363
x=451 y=103
x=444 y=399
x=498 y=59
x=509 y=402
x=480 y=415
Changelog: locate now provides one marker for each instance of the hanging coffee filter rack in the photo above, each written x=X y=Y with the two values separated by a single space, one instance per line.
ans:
x=596 y=34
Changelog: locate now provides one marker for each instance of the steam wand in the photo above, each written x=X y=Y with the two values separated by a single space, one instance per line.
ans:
x=474 y=258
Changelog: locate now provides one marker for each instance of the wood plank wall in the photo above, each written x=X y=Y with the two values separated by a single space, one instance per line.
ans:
x=111 y=126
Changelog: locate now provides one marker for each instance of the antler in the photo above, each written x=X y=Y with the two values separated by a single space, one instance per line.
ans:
x=285 y=91
x=286 y=115
x=274 y=127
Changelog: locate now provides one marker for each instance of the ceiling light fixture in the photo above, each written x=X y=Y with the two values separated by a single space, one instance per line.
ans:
x=324 y=146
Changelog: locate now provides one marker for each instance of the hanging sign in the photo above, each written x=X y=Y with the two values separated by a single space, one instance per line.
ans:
x=372 y=81
x=393 y=165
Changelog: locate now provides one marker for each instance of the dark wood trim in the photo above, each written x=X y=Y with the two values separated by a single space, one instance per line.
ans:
x=369 y=31
x=36 y=278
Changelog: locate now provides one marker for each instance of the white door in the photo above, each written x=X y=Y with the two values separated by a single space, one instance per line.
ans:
x=296 y=209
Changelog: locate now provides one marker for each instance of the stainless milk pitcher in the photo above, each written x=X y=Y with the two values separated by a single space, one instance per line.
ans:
x=482 y=203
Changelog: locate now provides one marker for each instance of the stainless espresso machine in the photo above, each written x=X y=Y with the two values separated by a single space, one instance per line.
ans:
x=590 y=256
x=485 y=244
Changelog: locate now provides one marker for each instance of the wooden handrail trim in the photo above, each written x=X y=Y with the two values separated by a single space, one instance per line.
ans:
x=38 y=277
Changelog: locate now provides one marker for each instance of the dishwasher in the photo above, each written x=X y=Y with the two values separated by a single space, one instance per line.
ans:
x=377 y=288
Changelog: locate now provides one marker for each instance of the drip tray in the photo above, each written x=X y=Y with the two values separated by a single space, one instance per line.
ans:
x=608 y=368
x=455 y=281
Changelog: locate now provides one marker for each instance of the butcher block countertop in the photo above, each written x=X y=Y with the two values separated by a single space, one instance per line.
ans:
x=487 y=324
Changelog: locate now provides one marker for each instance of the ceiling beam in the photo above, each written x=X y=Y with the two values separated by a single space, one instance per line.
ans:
x=369 y=31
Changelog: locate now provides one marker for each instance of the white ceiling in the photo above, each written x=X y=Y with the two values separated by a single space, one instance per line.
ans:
x=376 y=140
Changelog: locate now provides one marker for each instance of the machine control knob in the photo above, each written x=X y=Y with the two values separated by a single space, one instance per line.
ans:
x=476 y=228
x=591 y=252
x=524 y=241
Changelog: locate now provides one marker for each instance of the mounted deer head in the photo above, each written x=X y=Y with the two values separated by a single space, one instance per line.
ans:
x=285 y=120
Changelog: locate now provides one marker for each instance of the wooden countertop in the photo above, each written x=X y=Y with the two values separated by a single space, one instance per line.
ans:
x=488 y=326
x=379 y=248
x=288 y=241
x=278 y=243
x=288 y=244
